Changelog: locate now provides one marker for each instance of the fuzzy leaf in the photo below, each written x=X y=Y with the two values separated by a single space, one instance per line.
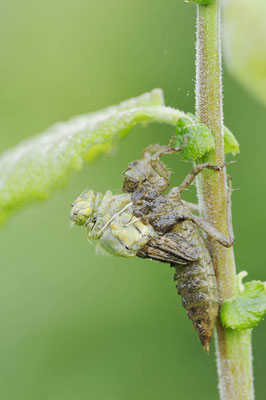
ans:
x=247 y=309
x=231 y=145
x=197 y=139
x=33 y=168
x=244 y=36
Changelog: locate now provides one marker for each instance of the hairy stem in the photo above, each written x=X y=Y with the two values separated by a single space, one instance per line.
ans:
x=233 y=348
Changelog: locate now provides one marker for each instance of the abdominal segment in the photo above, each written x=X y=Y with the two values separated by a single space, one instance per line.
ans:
x=197 y=288
x=186 y=251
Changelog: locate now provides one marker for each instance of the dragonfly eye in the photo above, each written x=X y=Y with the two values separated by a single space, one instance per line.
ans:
x=91 y=222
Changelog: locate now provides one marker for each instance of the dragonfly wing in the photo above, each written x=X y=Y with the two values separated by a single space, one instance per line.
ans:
x=169 y=248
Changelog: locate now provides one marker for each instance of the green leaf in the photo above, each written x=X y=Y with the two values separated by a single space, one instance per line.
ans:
x=244 y=32
x=35 y=167
x=231 y=145
x=32 y=169
x=248 y=308
x=197 y=139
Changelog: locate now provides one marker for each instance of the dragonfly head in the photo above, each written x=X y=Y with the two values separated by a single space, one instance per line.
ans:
x=84 y=207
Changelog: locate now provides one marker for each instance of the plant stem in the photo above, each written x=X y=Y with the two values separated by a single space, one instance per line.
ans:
x=233 y=348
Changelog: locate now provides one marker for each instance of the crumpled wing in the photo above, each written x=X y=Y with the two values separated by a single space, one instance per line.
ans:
x=169 y=248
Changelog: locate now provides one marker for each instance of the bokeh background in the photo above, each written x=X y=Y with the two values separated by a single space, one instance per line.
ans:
x=73 y=325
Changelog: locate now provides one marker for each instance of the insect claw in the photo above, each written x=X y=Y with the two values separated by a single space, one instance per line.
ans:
x=220 y=167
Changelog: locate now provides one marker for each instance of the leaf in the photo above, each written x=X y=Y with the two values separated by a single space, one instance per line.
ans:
x=231 y=145
x=244 y=35
x=247 y=309
x=33 y=168
x=197 y=139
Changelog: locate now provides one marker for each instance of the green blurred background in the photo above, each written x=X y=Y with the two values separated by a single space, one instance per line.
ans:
x=73 y=325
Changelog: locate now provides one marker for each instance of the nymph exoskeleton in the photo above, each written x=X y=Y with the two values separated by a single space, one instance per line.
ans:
x=181 y=241
x=147 y=224
x=109 y=219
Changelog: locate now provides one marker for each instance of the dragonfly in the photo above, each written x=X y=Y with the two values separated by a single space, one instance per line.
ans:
x=145 y=222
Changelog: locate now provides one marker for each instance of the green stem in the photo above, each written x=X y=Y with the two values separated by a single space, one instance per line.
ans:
x=233 y=348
